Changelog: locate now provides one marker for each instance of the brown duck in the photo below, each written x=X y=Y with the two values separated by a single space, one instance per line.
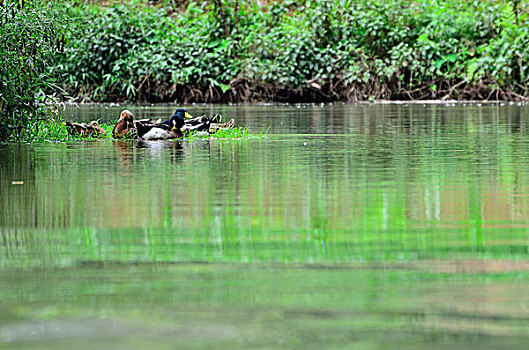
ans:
x=214 y=127
x=124 y=126
x=93 y=129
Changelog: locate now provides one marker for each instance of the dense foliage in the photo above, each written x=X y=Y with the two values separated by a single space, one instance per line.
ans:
x=30 y=33
x=233 y=51
x=319 y=50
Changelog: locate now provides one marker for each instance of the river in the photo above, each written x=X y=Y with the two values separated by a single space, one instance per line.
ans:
x=365 y=226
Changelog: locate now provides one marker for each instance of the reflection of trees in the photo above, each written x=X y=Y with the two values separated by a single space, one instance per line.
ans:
x=395 y=181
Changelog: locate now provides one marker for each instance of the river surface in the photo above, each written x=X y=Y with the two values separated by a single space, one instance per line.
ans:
x=365 y=226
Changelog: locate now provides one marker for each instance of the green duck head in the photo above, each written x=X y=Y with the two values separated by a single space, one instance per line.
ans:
x=177 y=121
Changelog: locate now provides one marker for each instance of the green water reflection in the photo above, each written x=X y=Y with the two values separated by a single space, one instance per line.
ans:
x=212 y=306
x=373 y=226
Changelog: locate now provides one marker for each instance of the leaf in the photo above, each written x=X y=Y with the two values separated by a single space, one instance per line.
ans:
x=224 y=87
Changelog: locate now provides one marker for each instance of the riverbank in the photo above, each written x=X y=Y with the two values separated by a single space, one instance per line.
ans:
x=256 y=51
x=297 y=52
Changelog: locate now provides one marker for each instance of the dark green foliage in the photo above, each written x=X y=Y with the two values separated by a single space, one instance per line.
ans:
x=29 y=32
x=319 y=50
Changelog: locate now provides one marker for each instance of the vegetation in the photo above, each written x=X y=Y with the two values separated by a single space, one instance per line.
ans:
x=318 y=50
x=30 y=32
x=234 y=133
x=55 y=130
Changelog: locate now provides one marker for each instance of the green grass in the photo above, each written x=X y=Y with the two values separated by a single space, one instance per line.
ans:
x=235 y=133
x=55 y=130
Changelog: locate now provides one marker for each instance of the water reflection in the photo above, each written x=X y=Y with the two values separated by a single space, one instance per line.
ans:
x=161 y=150
x=377 y=182
x=338 y=118
x=192 y=306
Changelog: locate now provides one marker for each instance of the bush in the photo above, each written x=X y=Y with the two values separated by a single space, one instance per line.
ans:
x=30 y=31
x=318 y=50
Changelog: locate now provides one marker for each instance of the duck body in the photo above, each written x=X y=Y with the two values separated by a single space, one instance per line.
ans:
x=217 y=125
x=198 y=124
x=85 y=130
x=75 y=129
x=124 y=126
x=155 y=131
x=168 y=129
x=96 y=129
x=207 y=125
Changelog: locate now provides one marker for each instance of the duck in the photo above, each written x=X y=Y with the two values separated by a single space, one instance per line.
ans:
x=85 y=130
x=206 y=125
x=124 y=126
x=97 y=130
x=76 y=129
x=168 y=129
x=198 y=124
x=214 y=127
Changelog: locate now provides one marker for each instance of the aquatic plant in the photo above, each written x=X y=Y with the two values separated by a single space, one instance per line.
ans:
x=55 y=130
x=235 y=133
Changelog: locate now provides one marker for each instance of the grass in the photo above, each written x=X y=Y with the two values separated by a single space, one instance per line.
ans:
x=235 y=133
x=55 y=130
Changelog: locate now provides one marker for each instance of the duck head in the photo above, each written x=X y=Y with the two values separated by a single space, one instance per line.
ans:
x=95 y=125
x=126 y=115
x=177 y=120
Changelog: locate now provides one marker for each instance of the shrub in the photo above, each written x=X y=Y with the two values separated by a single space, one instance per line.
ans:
x=30 y=31
x=318 y=50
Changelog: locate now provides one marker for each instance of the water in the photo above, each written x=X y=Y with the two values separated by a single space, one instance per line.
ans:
x=366 y=226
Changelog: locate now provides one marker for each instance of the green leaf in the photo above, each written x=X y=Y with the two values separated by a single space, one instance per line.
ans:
x=223 y=87
x=451 y=58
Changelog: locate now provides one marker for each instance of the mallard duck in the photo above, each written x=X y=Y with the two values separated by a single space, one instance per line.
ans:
x=204 y=124
x=214 y=127
x=168 y=129
x=93 y=129
x=198 y=124
x=207 y=125
x=124 y=125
